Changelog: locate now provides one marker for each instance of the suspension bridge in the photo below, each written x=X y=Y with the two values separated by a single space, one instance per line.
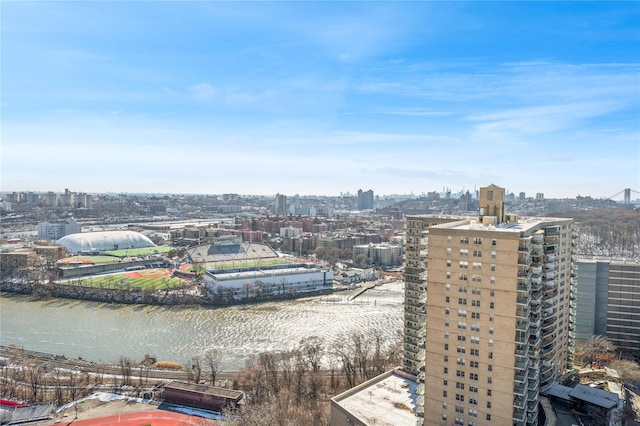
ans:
x=624 y=196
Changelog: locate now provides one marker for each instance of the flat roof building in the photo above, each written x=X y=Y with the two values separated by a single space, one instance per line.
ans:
x=388 y=399
x=608 y=301
x=201 y=396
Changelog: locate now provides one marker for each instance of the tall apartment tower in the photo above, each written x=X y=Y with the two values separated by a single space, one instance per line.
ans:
x=415 y=297
x=496 y=291
x=281 y=205
x=365 y=199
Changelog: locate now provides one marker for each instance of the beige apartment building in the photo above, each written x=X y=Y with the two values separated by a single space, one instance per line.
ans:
x=488 y=328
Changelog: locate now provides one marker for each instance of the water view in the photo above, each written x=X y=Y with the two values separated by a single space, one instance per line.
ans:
x=103 y=332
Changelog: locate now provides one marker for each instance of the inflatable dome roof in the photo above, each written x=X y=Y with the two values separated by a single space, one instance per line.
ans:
x=103 y=241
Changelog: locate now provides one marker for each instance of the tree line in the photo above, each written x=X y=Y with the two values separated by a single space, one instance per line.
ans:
x=294 y=387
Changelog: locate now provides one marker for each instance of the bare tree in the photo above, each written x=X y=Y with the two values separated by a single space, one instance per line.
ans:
x=125 y=370
x=313 y=350
x=212 y=359
x=628 y=371
x=34 y=375
x=196 y=367
x=595 y=349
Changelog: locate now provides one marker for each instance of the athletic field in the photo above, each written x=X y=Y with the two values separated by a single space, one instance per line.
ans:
x=245 y=264
x=138 y=251
x=97 y=260
x=157 y=279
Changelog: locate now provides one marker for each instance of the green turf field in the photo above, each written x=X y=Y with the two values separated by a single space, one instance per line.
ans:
x=122 y=281
x=98 y=260
x=247 y=264
x=138 y=251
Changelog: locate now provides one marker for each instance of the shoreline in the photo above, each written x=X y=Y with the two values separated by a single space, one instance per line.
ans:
x=127 y=296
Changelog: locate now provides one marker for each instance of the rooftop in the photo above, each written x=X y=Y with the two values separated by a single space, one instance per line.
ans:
x=207 y=390
x=520 y=225
x=389 y=399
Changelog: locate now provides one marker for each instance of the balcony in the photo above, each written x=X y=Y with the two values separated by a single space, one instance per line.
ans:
x=520 y=378
x=526 y=248
x=534 y=364
x=524 y=271
x=549 y=345
x=519 y=415
x=523 y=350
x=551 y=257
x=521 y=365
x=523 y=313
x=524 y=284
x=547 y=353
x=520 y=389
x=548 y=332
x=523 y=300
x=536 y=298
x=552 y=230
x=522 y=325
x=524 y=259
x=536 y=269
x=534 y=342
x=414 y=326
x=534 y=322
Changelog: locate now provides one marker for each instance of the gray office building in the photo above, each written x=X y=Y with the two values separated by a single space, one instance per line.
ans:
x=608 y=301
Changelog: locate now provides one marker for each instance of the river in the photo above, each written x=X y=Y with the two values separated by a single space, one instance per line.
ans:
x=104 y=332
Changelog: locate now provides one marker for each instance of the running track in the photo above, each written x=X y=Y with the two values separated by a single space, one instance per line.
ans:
x=144 y=418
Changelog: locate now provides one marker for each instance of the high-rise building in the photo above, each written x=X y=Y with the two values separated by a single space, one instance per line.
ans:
x=608 y=298
x=487 y=312
x=281 y=205
x=415 y=297
x=365 y=199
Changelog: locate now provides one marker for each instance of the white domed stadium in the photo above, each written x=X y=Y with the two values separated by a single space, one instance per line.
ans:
x=103 y=241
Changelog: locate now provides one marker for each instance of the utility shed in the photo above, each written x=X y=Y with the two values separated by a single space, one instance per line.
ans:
x=201 y=396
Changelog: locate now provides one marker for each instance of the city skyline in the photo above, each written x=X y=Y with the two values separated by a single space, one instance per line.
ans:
x=316 y=98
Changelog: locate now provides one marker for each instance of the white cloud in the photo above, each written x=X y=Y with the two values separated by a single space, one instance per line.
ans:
x=539 y=119
x=203 y=91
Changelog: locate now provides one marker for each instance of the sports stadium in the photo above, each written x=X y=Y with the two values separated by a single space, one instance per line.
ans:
x=241 y=270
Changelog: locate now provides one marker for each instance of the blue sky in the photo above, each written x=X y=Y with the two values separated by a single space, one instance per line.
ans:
x=319 y=98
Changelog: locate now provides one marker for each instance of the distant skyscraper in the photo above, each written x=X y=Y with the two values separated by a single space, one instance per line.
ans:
x=281 y=205
x=365 y=199
x=487 y=312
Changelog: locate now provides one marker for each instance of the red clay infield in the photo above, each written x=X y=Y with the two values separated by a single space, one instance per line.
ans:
x=150 y=418
x=185 y=268
x=68 y=260
x=156 y=274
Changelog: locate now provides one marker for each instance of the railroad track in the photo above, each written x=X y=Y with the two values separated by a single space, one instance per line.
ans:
x=83 y=366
